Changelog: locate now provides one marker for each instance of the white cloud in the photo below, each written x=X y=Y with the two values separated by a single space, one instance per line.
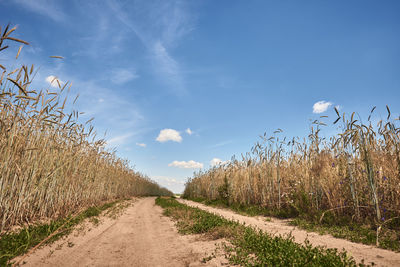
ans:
x=169 y=135
x=168 y=179
x=52 y=80
x=217 y=161
x=141 y=144
x=191 y=164
x=120 y=76
x=188 y=131
x=118 y=140
x=321 y=106
x=173 y=184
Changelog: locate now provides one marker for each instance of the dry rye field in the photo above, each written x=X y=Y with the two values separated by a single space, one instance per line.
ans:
x=57 y=178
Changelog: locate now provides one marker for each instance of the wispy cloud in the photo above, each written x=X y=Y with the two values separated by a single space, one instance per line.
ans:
x=141 y=144
x=119 y=140
x=167 y=67
x=221 y=144
x=120 y=76
x=102 y=35
x=321 y=106
x=113 y=110
x=47 y=8
x=159 y=25
x=191 y=164
x=177 y=21
x=123 y=17
x=169 y=135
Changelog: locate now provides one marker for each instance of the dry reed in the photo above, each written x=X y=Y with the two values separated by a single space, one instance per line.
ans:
x=50 y=164
x=355 y=173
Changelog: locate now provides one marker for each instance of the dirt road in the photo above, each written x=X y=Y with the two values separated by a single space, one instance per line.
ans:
x=142 y=236
x=370 y=254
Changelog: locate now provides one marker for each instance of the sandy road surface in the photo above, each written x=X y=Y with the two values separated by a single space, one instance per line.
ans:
x=142 y=236
x=370 y=254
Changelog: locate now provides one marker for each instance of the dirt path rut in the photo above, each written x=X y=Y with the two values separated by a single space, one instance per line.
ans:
x=142 y=236
x=380 y=257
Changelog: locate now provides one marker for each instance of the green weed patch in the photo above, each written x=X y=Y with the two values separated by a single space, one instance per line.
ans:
x=343 y=227
x=248 y=246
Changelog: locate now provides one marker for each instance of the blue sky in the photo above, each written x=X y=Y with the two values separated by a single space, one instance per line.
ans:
x=227 y=70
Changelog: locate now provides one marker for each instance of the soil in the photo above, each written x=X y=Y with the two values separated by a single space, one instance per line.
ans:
x=141 y=236
x=380 y=257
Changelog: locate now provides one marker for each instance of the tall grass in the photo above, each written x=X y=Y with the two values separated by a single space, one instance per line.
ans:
x=50 y=164
x=355 y=173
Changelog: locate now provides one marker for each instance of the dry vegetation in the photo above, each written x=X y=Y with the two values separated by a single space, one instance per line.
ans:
x=52 y=165
x=353 y=175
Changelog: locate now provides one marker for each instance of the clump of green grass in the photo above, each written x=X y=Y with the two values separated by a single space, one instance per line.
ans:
x=199 y=222
x=18 y=243
x=352 y=231
x=278 y=251
x=248 y=246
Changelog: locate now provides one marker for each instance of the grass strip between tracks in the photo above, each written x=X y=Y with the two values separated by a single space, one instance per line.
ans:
x=249 y=246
